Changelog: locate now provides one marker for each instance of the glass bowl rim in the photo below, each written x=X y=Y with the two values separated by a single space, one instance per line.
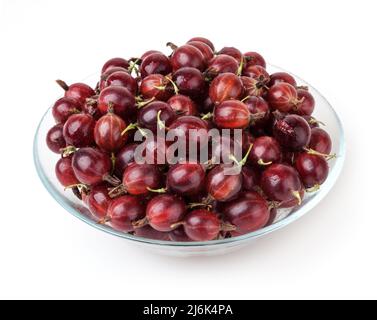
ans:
x=325 y=189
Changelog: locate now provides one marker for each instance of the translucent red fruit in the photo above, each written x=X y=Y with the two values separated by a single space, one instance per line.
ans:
x=149 y=52
x=250 y=178
x=190 y=128
x=149 y=233
x=204 y=40
x=247 y=213
x=259 y=111
x=254 y=58
x=253 y=87
x=107 y=74
x=124 y=211
x=202 y=225
x=265 y=151
x=320 y=141
x=258 y=73
x=222 y=64
x=78 y=91
x=122 y=79
x=183 y=105
x=64 y=172
x=186 y=179
x=179 y=235
x=190 y=82
x=64 y=108
x=283 y=97
x=155 y=63
x=231 y=114
x=148 y=115
x=187 y=56
x=306 y=105
x=206 y=50
x=293 y=202
x=224 y=87
x=78 y=130
x=119 y=99
x=313 y=169
x=292 y=132
x=124 y=157
x=98 y=201
x=164 y=211
x=55 y=139
x=221 y=185
x=281 y=183
x=92 y=166
x=156 y=86
x=282 y=77
x=108 y=133
x=115 y=62
x=232 y=52
x=139 y=179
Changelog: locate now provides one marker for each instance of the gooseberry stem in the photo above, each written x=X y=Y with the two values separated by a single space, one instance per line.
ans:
x=162 y=190
x=297 y=195
x=62 y=84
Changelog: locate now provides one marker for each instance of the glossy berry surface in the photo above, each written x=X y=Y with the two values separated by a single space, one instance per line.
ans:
x=124 y=211
x=138 y=179
x=108 y=133
x=64 y=108
x=224 y=87
x=187 y=56
x=164 y=211
x=306 y=104
x=190 y=82
x=320 y=141
x=221 y=185
x=204 y=48
x=78 y=131
x=313 y=169
x=98 y=201
x=292 y=132
x=232 y=52
x=259 y=111
x=202 y=225
x=124 y=157
x=156 y=86
x=122 y=79
x=147 y=116
x=55 y=139
x=64 y=172
x=265 y=151
x=255 y=59
x=283 y=97
x=155 y=63
x=183 y=105
x=222 y=64
x=280 y=182
x=118 y=99
x=282 y=77
x=204 y=40
x=248 y=213
x=115 y=62
x=231 y=114
x=77 y=91
x=186 y=179
x=91 y=166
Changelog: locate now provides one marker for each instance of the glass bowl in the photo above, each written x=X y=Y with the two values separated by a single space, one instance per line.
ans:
x=45 y=164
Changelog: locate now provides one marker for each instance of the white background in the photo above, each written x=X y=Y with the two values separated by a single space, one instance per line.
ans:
x=47 y=253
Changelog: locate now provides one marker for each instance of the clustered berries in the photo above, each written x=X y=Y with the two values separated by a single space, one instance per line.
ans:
x=285 y=152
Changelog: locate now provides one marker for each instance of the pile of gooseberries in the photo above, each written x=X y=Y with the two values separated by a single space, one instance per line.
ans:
x=285 y=151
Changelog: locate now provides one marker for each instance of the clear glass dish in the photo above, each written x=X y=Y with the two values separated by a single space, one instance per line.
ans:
x=45 y=164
